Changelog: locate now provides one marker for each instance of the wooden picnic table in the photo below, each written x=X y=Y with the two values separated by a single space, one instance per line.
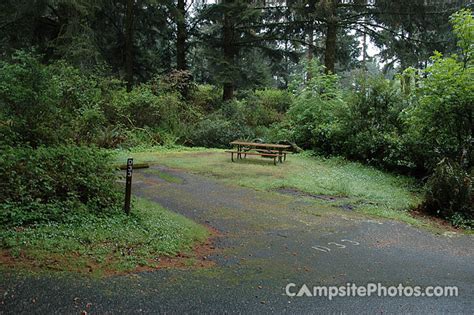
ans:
x=276 y=151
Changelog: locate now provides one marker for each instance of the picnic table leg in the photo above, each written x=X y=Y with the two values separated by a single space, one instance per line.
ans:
x=280 y=152
x=232 y=156
x=239 y=148
x=274 y=160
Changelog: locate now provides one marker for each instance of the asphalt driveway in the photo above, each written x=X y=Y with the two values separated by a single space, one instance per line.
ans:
x=267 y=241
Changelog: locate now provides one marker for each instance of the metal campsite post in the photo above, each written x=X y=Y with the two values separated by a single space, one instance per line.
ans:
x=128 y=185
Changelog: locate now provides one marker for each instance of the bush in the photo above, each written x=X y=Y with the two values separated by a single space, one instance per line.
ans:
x=449 y=193
x=143 y=112
x=441 y=123
x=278 y=100
x=57 y=104
x=217 y=132
x=27 y=102
x=51 y=184
x=49 y=104
x=206 y=97
x=266 y=107
x=315 y=116
x=137 y=108
x=180 y=81
x=372 y=129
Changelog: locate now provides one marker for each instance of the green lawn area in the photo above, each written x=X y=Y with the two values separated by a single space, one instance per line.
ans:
x=369 y=190
x=98 y=245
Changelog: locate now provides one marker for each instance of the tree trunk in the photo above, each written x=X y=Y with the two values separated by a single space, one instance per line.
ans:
x=330 y=53
x=331 y=36
x=181 y=36
x=228 y=91
x=364 y=53
x=310 y=53
x=229 y=55
x=129 y=45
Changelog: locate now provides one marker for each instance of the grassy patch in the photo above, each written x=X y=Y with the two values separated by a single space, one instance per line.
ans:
x=371 y=191
x=100 y=245
x=153 y=154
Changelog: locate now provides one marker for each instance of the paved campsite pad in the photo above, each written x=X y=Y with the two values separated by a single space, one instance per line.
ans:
x=268 y=240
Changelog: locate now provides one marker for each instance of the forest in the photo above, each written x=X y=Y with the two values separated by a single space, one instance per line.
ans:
x=389 y=84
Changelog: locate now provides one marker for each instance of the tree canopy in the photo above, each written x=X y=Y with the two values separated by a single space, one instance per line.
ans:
x=232 y=43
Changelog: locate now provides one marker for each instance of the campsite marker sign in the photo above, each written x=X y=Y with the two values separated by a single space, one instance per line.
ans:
x=128 y=185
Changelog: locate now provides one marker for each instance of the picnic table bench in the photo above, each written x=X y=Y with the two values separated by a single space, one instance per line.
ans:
x=271 y=150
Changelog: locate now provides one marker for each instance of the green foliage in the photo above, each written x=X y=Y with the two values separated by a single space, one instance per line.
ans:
x=143 y=108
x=108 y=243
x=461 y=221
x=372 y=129
x=49 y=105
x=440 y=124
x=260 y=108
x=463 y=28
x=449 y=193
x=217 y=132
x=278 y=100
x=416 y=18
x=180 y=81
x=316 y=112
x=51 y=184
x=365 y=126
x=57 y=104
x=206 y=97
x=411 y=126
x=24 y=104
x=239 y=119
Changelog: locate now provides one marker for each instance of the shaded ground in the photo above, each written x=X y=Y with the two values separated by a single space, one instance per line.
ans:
x=268 y=240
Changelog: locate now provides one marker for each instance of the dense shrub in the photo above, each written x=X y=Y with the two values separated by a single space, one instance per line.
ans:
x=58 y=104
x=372 y=128
x=49 y=104
x=278 y=100
x=315 y=116
x=363 y=125
x=266 y=107
x=142 y=108
x=441 y=123
x=27 y=102
x=206 y=97
x=51 y=184
x=180 y=81
x=449 y=193
x=217 y=131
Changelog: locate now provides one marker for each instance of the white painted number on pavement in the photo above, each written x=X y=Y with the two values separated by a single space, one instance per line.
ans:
x=325 y=249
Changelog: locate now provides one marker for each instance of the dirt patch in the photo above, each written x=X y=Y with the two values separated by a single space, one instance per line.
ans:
x=438 y=222
x=54 y=262
x=199 y=257
x=347 y=207
x=299 y=193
